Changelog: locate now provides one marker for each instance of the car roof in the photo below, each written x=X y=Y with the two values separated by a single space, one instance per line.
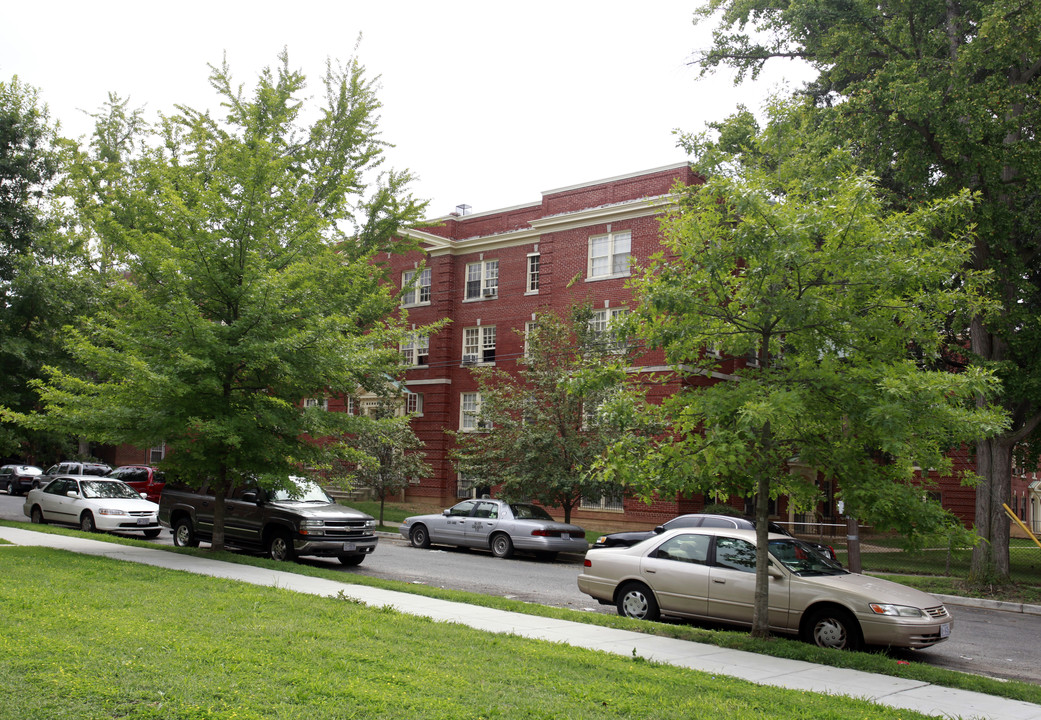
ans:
x=740 y=533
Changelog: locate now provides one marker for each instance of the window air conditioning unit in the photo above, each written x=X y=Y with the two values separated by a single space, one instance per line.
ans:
x=469 y=359
x=491 y=292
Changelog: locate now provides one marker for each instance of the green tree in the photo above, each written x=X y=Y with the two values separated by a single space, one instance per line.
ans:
x=551 y=420
x=789 y=257
x=935 y=96
x=391 y=453
x=43 y=283
x=247 y=285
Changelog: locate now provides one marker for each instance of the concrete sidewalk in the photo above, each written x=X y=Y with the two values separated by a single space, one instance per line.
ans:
x=762 y=669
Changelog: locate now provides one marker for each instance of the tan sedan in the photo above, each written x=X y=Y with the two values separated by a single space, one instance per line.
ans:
x=709 y=574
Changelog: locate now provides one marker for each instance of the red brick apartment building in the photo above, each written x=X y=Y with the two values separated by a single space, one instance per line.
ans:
x=491 y=272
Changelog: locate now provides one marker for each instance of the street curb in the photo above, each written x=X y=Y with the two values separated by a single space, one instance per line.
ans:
x=1023 y=608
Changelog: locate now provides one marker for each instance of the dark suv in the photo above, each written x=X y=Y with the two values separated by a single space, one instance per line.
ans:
x=75 y=467
x=143 y=478
x=17 y=479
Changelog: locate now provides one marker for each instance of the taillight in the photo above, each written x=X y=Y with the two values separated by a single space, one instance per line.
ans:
x=588 y=563
x=546 y=533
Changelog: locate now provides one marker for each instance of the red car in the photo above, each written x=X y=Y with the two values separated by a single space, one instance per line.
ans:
x=143 y=478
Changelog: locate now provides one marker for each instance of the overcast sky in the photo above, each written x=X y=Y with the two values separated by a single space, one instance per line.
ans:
x=488 y=103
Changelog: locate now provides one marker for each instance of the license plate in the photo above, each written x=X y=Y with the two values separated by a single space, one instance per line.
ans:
x=349 y=547
x=144 y=521
x=945 y=630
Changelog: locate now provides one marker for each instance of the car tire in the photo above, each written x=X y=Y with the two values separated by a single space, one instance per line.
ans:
x=153 y=533
x=280 y=547
x=36 y=516
x=502 y=546
x=419 y=536
x=350 y=560
x=832 y=628
x=10 y=489
x=87 y=523
x=637 y=601
x=183 y=534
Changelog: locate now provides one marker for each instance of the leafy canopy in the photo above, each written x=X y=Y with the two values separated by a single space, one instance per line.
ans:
x=245 y=245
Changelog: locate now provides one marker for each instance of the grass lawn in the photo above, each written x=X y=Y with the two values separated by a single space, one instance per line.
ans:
x=95 y=638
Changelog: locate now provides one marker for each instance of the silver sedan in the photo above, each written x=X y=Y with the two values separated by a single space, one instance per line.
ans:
x=497 y=525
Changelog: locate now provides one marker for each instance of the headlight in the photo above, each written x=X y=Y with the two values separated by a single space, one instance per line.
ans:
x=895 y=610
x=370 y=524
x=111 y=511
x=312 y=527
x=602 y=540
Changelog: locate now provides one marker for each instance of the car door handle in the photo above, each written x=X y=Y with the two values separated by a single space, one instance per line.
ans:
x=721 y=581
x=649 y=571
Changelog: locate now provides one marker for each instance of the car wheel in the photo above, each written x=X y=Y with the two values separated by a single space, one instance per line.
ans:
x=636 y=600
x=502 y=546
x=36 y=516
x=183 y=535
x=280 y=547
x=87 y=523
x=832 y=628
x=350 y=560
x=419 y=536
x=10 y=489
x=154 y=533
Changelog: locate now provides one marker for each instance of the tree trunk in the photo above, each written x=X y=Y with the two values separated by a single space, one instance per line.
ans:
x=220 y=491
x=761 y=602
x=990 y=559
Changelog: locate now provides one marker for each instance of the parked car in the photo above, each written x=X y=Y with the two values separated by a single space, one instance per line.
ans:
x=496 y=525
x=709 y=574
x=94 y=504
x=625 y=539
x=143 y=478
x=16 y=479
x=74 y=467
x=283 y=524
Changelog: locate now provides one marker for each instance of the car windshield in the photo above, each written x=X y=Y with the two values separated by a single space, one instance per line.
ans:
x=96 y=470
x=802 y=559
x=303 y=492
x=28 y=470
x=107 y=489
x=530 y=512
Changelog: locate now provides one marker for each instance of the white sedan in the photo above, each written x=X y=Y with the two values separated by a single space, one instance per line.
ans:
x=94 y=504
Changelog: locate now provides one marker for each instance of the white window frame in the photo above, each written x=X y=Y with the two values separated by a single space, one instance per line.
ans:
x=156 y=453
x=320 y=403
x=529 y=327
x=414 y=404
x=534 y=268
x=601 y=324
x=482 y=280
x=470 y=413
x=420 y=293
x=609 y=255
x=479 y=343
x=416 y=350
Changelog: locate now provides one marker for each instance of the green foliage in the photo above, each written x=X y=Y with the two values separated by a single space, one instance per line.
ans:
x=793 y=258
x=43 y=278
x=244 y=246
x=554 y=418
x=934 y=98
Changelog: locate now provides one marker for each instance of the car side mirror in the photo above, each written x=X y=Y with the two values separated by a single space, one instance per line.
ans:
x=774 y=571
x=251 y=496
x=72 y=494
x=446 y=512
x=144 y=496
x=659 y=530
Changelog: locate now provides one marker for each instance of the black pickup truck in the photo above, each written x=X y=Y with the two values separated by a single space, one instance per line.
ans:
x=282 y=524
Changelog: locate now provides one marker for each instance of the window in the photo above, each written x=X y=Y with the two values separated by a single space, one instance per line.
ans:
x=611 y=500
x=157 y=453
x=417 y=290
x=414 y=403
x=320 y=403
x=533 y=273
x=464 y=488
x=470 y=409
x=529 y=328
x=479 y=344
x=735 y=554
x=609 y=255
x=352 y=406
x=416 y=350
x=482 y=279
x=604 y=326
x=685 y=548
